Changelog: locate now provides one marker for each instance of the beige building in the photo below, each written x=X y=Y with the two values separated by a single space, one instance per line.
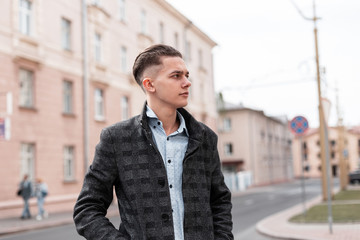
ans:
x=250 y=141
x=63 y=80
x=310 y=144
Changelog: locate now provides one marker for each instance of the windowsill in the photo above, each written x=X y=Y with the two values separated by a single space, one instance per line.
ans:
x=100 y=66
x=70 y=181
x=29 y=39
x=69 y=52
x=100 y=119
x=123 y=21
x=69 y=115
x=202 y=69
x=25 y=108
x=146 y=36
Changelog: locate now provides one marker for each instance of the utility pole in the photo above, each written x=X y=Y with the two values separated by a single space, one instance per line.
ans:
x=324 y=142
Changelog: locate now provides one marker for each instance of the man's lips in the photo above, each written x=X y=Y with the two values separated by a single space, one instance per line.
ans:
x=184 y=94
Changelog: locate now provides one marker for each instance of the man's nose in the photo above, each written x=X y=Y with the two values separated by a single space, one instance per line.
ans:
x=187 y=82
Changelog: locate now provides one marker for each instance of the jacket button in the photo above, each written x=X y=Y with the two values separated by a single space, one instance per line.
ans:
x=165 y=217
x=161 y=182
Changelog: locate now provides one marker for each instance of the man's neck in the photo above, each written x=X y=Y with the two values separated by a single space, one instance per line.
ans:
x=168 y=117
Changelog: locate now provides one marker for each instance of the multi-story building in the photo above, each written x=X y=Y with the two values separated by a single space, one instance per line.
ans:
x=253 y=142
x=309 y=163
x=65 y=74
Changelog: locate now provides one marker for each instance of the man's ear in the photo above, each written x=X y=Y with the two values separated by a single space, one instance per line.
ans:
x=147 y=85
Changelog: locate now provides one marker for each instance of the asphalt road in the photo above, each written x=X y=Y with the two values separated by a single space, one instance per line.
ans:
x=257 y=203
x=248 y=208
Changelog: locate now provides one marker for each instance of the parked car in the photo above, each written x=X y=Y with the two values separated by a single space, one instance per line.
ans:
x=354 y=176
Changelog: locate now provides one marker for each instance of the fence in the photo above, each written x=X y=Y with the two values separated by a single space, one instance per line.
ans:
x=239 y=181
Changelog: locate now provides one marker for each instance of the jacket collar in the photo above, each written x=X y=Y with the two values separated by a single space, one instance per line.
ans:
x=195 y=129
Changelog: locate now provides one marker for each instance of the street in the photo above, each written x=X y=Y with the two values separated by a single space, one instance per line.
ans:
x=248 y=208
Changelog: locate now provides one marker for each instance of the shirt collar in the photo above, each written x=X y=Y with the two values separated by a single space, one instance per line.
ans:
x=182 y=127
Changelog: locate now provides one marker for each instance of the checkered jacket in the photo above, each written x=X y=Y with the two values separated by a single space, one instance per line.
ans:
x=127 y=158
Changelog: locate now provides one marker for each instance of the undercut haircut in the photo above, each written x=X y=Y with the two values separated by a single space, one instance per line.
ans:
x=151 y=56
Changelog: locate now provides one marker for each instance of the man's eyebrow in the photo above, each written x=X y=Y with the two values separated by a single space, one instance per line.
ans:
x=180 y=72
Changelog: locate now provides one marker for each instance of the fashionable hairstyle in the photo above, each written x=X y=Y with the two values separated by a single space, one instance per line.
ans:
x=152 y=56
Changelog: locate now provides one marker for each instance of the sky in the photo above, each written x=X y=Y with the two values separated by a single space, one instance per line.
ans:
x=265 y=57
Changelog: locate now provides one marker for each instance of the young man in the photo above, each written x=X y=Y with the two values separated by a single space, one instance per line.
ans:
x=26 y=193
x=163 y=164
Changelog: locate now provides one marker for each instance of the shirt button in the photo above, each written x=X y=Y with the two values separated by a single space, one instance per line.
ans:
x=158 y=123
x=169 y=161
x=167 y=138
x=170 y=185
x=154 y=126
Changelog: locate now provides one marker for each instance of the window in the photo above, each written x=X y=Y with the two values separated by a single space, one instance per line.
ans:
x=228 y=149
x=98 y=56
x=143 y=21
x=68 y=97
x=123 y=59
x=176 y=40
x=26 y=88
x=66 y=34
x=69 y=173
x=161 y=32
x=25 y=17
x=201 y=58
x=227 y=124
x=124 y=108
x=99 y=104
x=122 y=11
x=27 y=160
x=188 y=51
x=96 y=2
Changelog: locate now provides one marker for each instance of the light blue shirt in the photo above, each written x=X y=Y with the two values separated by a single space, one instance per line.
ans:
x=172 y=149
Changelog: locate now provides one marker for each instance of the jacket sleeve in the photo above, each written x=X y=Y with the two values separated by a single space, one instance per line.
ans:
x=97 y=194
x=220 y=198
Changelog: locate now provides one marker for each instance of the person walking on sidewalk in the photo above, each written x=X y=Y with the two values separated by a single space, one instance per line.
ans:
x=41 y=191
x=26 y=193
x=163 y=163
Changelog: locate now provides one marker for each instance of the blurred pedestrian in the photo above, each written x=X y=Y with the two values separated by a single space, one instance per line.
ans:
x=26 y=193
x=41 y=191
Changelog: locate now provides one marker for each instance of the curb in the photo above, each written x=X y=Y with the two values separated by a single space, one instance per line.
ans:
x=47 y=223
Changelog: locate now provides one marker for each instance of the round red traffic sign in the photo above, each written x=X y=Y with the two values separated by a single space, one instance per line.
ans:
x=299 y=125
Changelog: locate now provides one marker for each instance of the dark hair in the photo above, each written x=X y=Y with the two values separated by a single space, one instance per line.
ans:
x=151 y=56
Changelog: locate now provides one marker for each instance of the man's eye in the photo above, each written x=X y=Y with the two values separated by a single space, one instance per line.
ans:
x=176 y=76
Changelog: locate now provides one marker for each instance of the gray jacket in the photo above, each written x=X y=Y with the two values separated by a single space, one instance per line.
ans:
x=127 y=158
x=26 y=187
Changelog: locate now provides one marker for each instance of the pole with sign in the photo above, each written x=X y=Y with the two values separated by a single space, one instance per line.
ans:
x=299 y=125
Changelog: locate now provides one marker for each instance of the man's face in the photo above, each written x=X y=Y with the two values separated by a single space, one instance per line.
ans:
x=170 y=82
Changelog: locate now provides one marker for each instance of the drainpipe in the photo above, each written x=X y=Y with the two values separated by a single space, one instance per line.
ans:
x=85 y=86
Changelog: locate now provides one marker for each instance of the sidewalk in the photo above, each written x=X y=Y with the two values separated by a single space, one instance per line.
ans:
x=14 y=225
x=278 y=226
x=275 y=226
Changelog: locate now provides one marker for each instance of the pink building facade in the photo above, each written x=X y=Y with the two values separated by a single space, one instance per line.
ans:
x=250 y=141
x=52 y=108
x=310 y=144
